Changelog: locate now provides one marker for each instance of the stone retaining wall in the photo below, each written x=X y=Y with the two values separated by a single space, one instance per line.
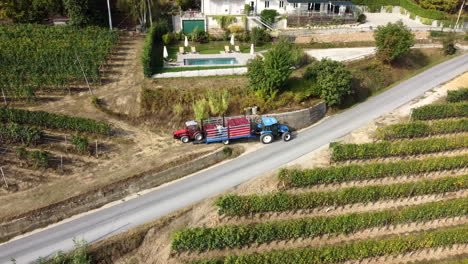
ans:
x=302 y=118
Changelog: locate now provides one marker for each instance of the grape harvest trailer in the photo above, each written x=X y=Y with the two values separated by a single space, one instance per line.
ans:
x=224 y=129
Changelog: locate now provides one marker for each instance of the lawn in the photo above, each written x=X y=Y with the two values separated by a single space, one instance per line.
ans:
x=214 y=47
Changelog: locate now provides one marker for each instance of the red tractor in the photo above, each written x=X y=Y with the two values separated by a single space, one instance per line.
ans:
x=191 y=132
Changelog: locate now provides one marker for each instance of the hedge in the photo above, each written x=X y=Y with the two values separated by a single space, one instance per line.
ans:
x=457 y=95
x=238 y=236
x=355 y=250
x=409 y=5
x=439 y=111
x=14 y=133
x=341 y=152
x=337 y=174
x=53 y=121
x=151 y=57
x=39 y=158
x=233 y=204
x=422 y=129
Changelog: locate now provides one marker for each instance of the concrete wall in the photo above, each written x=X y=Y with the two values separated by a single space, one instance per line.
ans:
x=97 y=198
x=302 y=118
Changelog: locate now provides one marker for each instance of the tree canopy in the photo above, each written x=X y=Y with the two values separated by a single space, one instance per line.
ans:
x=393 y=41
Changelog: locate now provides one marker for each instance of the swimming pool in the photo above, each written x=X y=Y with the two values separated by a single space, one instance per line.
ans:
x=211 y=61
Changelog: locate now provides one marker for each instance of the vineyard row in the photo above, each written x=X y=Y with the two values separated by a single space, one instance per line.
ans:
x=440 y=111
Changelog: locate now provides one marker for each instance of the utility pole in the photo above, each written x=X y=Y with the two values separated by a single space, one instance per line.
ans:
x=109 y=10
x=459 y=13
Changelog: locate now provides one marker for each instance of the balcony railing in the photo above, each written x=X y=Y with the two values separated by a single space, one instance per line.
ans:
x=191 y=14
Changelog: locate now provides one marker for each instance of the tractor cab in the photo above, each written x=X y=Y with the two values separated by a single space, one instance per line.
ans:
x=191 y=132
x=270 y=128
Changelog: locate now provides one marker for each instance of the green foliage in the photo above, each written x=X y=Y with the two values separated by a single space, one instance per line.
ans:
x=39 y=159
x=81 y=144
x=355 y=172
x=218 y=101
x=438 y=33
x=409 y=5
x=247 y=9
x=449 y=6
x=269 y=15
x=167 y=38
x=43 y=57
x=332 y=78
x=393 y=41
x=269 y=75
x=448 y=44
x=53 y=121
x=78 y=256
x=456 y=96
x=361 y=19
x=14 y=133
x=151 y=56
x=225 y=20
x=439 y=111
x=422 y=129
x=201 y=109
x=237 y=205
x=341 y=152
x=184 y=4
x=28 y=11
x=238 y=236
x=352 y=251
x=80 y=12
x=258 y=35
x=199 y=35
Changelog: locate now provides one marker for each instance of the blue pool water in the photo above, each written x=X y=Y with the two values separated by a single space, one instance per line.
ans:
x=211 y=61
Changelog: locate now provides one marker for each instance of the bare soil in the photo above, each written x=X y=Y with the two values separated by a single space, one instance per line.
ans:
x=156 y=245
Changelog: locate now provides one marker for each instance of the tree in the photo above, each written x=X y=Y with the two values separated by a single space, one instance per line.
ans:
x=393 y=41
x=448 y=44
x=81 y=12
x=450 y=6
x=269 y=75
x=28 y=11
x=332 y=79
x=269 y=15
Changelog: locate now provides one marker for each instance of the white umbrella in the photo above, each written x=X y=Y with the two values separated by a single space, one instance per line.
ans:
x=165 y=54
x=186 y=42
x=232 y=39
x=252 y=50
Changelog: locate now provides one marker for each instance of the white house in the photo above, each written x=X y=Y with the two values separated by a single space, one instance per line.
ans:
x=189 y=20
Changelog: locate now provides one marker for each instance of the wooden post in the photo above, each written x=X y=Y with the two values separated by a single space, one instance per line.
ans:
x=4 y=98
x=4 y=179
x=61 y=163
x=97 y=155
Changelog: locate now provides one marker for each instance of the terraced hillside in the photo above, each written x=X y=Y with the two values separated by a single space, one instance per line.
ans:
x=401 y=198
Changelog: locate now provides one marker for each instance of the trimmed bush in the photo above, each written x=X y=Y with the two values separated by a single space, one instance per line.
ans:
x=337 y=174
x=458 y=95
x=15 y=133
x=151 y=56
x=439 y=111
x=233 y=204
x=53 y=121
x=341 y=152
x=422 y=129
x=238 y=236
x=81 y=144
x=39 y=159
x=355 y=250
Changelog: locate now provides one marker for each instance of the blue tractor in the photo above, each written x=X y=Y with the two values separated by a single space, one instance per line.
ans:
x=269 y=128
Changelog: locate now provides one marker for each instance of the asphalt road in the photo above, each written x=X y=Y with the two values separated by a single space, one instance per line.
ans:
x=171 y=197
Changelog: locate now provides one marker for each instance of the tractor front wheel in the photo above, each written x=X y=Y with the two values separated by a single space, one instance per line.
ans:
x=266 y=138
x=286 y=136
x=226 y=142
x=185 y=139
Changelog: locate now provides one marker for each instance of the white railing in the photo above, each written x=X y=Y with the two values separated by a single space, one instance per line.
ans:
x=191 y=14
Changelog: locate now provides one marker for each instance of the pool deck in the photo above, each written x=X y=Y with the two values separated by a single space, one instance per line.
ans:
x=241 y=58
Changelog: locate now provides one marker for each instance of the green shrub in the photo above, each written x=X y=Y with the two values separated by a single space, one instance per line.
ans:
x=422 y=129
x=247 y=9
x=218 y=101
x=337 y=174
x=409 y=5
x=341 y=152
x=354 y=250
x=437 y=33
x=393 y=41
x=81 y=143
x=201 y=109
x=225 y=20
x=238 y=236
x=448 y=44
x=236 y=205
x=15 y=133
x=39 y=159
x=361 y=19
x=167 y=38
x=459 y=95
x=438 y=111
x=53 y=121
x=151 y=56
x=257 y=35
x=269 y=15
x=333 y=79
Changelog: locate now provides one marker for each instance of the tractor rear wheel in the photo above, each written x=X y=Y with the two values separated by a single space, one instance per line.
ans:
x=266 y=138
x=286 y=136
x=198 y=137
x=185 y=139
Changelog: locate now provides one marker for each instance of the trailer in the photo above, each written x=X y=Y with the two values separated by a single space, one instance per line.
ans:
x=226 y=128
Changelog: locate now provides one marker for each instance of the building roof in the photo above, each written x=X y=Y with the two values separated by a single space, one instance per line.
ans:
x=342 y=3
